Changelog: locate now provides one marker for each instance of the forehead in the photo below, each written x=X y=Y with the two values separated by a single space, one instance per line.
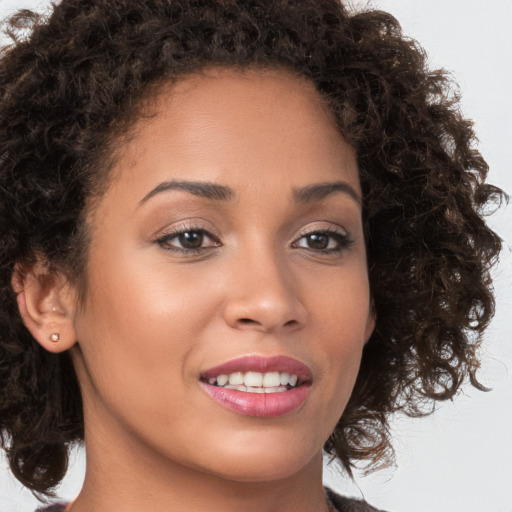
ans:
x=224 y=124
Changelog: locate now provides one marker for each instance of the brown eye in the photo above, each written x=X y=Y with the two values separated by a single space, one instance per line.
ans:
x=191 y=239
x=319 y=241
x=324 y=241
x=188 y=240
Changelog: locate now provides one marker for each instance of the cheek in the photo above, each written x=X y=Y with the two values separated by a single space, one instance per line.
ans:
x=341 y=303
x=139 y=328
x=343 y=321
x=135 y=298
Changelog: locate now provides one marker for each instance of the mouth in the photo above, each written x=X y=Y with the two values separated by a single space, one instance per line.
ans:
x=257 y=382
x=259 y=386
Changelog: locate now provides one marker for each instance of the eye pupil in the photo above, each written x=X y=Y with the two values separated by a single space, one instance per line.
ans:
x=191 y=239
x=318 y=241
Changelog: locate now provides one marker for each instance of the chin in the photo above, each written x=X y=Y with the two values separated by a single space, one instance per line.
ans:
x=264 y=462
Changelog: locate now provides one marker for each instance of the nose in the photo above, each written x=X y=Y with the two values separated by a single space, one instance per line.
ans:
x=262 y=296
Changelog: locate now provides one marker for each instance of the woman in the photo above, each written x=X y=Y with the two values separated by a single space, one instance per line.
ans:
x=236 y=233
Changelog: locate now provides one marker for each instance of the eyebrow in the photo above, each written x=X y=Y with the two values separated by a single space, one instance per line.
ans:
x=319 y=191
x=197 y=188
x=215 y=192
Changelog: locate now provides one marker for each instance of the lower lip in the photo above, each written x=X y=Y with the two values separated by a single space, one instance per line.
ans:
x=262 y=405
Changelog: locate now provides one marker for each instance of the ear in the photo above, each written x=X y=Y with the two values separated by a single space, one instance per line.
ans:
x=46 y=301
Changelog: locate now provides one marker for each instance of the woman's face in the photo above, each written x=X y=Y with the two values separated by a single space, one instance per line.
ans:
x=228 y=247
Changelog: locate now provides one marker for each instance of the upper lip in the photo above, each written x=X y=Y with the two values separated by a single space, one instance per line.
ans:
x=261 y=364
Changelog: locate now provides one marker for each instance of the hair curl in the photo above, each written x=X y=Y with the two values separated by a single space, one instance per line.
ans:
x=70 y=87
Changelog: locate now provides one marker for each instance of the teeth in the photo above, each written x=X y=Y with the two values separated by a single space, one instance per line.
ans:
x=222 y=380
x=235 y=379
x=256 y=382
x=238 y=388
x=271 y=380
x=250 y=389
x=253 y=379
x=276 y=389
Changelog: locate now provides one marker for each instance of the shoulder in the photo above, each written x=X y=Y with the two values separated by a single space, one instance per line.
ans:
x=343 y=504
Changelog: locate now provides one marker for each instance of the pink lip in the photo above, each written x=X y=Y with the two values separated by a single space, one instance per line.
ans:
x=264 y=405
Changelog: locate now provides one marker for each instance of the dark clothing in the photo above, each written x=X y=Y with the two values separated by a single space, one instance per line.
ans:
x=342 y=504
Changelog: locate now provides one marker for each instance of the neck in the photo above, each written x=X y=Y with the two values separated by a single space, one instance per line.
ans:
x=124 y=475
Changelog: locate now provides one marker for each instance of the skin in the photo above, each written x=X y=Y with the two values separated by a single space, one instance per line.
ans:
x=155 y=316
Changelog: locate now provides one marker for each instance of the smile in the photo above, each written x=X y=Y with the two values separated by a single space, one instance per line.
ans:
x=259 y=386
x=256 y=382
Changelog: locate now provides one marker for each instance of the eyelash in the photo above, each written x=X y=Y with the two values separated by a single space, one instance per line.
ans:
x=164 y=240
x=343 y=240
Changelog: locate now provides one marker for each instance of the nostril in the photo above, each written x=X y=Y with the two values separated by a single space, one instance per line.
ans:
x=247 y=321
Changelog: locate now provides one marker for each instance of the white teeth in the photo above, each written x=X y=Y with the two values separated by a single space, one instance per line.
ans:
x=276 y=389
x=250 y=389
x=235 y=379
x=238 y=388
x=256 y=382
x=253 y=379
x=271 y=380
x=222 y=380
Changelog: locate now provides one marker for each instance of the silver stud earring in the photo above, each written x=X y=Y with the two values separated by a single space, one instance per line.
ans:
x=55 y=337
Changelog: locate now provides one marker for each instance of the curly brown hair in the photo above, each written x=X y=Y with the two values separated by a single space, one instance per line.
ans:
x=75 y=83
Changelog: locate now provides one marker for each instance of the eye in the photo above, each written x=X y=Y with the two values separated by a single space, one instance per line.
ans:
x=188 y=240
x=327 y=241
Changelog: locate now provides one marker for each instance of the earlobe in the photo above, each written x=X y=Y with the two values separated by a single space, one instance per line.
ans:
x=46 y=304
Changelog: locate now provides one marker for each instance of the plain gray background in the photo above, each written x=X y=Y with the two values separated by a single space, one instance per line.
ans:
x=459 y=459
